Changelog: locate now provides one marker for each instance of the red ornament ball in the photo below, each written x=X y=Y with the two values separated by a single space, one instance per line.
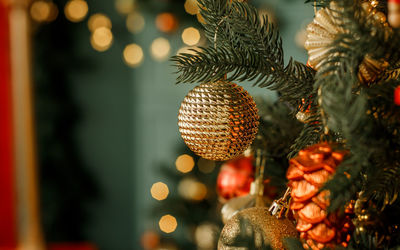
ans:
x=397 y=96
x=235 y=177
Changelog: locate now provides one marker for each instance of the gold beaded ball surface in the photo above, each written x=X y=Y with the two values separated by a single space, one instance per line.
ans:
x=218 y=120
x=256 y=228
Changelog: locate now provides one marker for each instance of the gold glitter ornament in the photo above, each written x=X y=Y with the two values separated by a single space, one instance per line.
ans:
x=218 y=120
x=256 y=224
x=325 y=27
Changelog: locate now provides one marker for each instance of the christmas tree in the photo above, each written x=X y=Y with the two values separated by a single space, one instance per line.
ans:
x=344 y=163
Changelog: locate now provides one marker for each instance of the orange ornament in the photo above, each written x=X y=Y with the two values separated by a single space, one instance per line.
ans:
x=307 y=173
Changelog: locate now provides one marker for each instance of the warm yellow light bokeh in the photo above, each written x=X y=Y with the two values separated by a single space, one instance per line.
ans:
x=200 y=18
x=191 y=36
x=124 y=6
x=43 y=11
x=191 y=7
x=205 y=235
x=159 y=191
x=40 y=11
x=184 y=163
x=133 y=55
x=160 y=49
x=205 y=166
x=99 y=20
x=135 y=22
x=191 y=189
x=101 y=39
x=168 y=223
x=76 y=10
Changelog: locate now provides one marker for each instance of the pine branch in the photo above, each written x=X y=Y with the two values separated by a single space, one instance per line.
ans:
x=246 y=50
x=347 y=104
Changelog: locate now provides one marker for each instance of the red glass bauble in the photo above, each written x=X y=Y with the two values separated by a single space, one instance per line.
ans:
x=397 y=96
x=235 y=177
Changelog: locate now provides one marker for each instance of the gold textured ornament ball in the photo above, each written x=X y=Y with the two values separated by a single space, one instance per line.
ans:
x=218 y=120
x=257 y=225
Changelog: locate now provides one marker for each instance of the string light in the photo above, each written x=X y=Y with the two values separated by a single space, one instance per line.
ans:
x=101 y=39
x=159 y=191
x=76 y=10
x=184 y=163
x=191 y=36
x=191 y=189
x=135 y=22
x=160 y=49
x=133 y=55
x=99 y=20
x=191 y=7
x=168 y=223
x=124 y=6
x=43 y=11
x=205 y=166
x=166 y=22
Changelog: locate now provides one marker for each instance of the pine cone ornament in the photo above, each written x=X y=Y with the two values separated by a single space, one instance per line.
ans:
x=325 y=27
x=306 y=174
x=218 y=120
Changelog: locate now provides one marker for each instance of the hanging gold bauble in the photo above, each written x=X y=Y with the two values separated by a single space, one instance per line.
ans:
x=257 y=225
x=218 y=120
x=325 y=27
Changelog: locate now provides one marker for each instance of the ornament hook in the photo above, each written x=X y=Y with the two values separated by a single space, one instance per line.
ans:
x=281 y=206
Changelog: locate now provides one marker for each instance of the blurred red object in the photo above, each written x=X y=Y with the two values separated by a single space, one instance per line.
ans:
x=397 y=96
x=235 y=177
x=150 y=240
x=71 y=246
x=8 y=226
x=166 y=22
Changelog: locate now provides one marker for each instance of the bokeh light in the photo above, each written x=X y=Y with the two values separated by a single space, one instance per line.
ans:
x=76 y=10
x=168 y=223
x=206 y=236
x=160 y=49
x=200 y=18
x=205 y=166
x=135 y=22
x=124 y=6
x=192 y=189
x=184 y=163
x=267 y=11
x=166 y=22
x=191 y=7
x=159 y=191
x=98 y=20
x=150 y=240
x=43 y=11
x=133 y=55
x=191 y=36
x=101 y=39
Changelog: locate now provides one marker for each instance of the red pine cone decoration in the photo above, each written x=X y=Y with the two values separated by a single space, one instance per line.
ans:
x=306 y=174
x=235 y=177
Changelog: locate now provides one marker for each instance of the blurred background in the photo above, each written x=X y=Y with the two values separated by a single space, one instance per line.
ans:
x=91 y=155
